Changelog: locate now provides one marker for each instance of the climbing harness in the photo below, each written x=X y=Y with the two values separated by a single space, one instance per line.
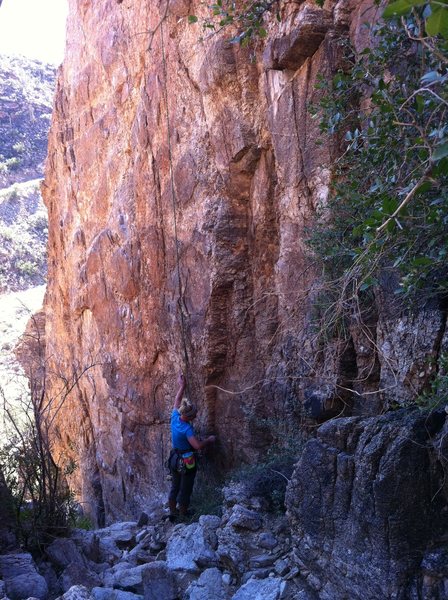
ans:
x=181 y=462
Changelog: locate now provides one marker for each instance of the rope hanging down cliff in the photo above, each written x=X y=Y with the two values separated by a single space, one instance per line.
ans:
x=173 y=200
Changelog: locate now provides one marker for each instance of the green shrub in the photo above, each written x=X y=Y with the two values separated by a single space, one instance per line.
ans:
x=267 y=479
x=437 y=395
x=387 y=210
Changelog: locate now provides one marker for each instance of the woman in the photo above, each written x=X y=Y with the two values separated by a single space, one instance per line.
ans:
x=185 y=443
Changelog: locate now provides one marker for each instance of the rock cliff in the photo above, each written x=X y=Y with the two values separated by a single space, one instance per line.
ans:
x=181 y=178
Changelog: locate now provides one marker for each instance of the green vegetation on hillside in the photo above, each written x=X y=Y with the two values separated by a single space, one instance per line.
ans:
x=26 y=102
x=23 y=237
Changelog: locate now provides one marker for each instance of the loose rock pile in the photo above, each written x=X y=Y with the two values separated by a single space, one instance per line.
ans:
x=243 y=555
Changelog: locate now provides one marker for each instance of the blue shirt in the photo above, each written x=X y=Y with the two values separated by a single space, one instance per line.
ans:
x=180 y=431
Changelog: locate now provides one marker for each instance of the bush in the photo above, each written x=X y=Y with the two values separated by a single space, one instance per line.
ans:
x=437 y=395
x=44 y=506
x=267 y=480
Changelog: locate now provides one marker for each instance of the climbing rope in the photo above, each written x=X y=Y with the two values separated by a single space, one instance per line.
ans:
x=173 y=200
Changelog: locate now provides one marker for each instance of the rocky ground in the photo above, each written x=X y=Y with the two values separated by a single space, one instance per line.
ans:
x=366 y=519
x=244 y=555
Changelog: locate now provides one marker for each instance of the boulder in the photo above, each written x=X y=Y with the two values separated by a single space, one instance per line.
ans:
x=260 y=589
x=232 y=550
x=88 y=543
x=21 y=577
x=193 y=547
x=209 y=585
x=364 y=493
x=158 y=582
x=64 y=551
x=99 y=593
x=78 y=574
x=267 y=540
x=243 y=518
x=77 y=592
x=126 y=577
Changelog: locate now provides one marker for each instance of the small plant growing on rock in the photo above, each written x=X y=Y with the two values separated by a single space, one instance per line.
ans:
x=437 y=395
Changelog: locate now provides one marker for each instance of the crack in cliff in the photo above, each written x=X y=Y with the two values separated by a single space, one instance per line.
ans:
x=300 y=141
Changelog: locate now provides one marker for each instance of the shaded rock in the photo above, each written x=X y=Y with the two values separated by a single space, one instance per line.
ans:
x=77 y=592
x=78 y=574
x=231 y=550
x=244 y=518
x=122 y=534
x=193 y=546
x=143 y=520
x=64 y=551
x=47 y=571
x=260 y=589
x=281 y=568
x=127 y=577
x=432 y=581
x=290 y=51
x=263 y=560
x=158 y=582
x=235 y=493
x=149 y=545
x=362 y=495
x=255 y=574
x=209 y=585
x=21 y=577
x=408 y=344
x=267 y=540
x=99 y=593
x=89 y=544
x=111 y=574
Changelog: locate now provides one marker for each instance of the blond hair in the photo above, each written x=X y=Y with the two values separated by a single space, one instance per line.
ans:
x=187 y=409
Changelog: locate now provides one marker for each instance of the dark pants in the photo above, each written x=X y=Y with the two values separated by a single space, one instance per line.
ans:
x=182 y=487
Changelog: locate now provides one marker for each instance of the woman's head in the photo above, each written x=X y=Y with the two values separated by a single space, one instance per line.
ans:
x=187 y=410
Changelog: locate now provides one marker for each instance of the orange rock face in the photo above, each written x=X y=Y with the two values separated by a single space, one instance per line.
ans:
x=181 y=177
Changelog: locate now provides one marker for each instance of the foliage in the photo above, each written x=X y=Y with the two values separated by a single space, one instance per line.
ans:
x=247 y=17
x=269 y=476
x=23 y=237
x=434 y=14
x=388 y=209
x=437 y=395
x=206 y=498
x=267 y=479
x=44 y=505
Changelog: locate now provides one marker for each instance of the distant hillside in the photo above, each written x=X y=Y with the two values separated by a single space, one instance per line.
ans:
x=23 y=236
x=26 y=100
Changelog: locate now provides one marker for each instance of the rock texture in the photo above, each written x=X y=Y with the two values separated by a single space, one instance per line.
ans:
x=181 y=179
x=368 y=507
x=367 y=514
x=187 y=560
